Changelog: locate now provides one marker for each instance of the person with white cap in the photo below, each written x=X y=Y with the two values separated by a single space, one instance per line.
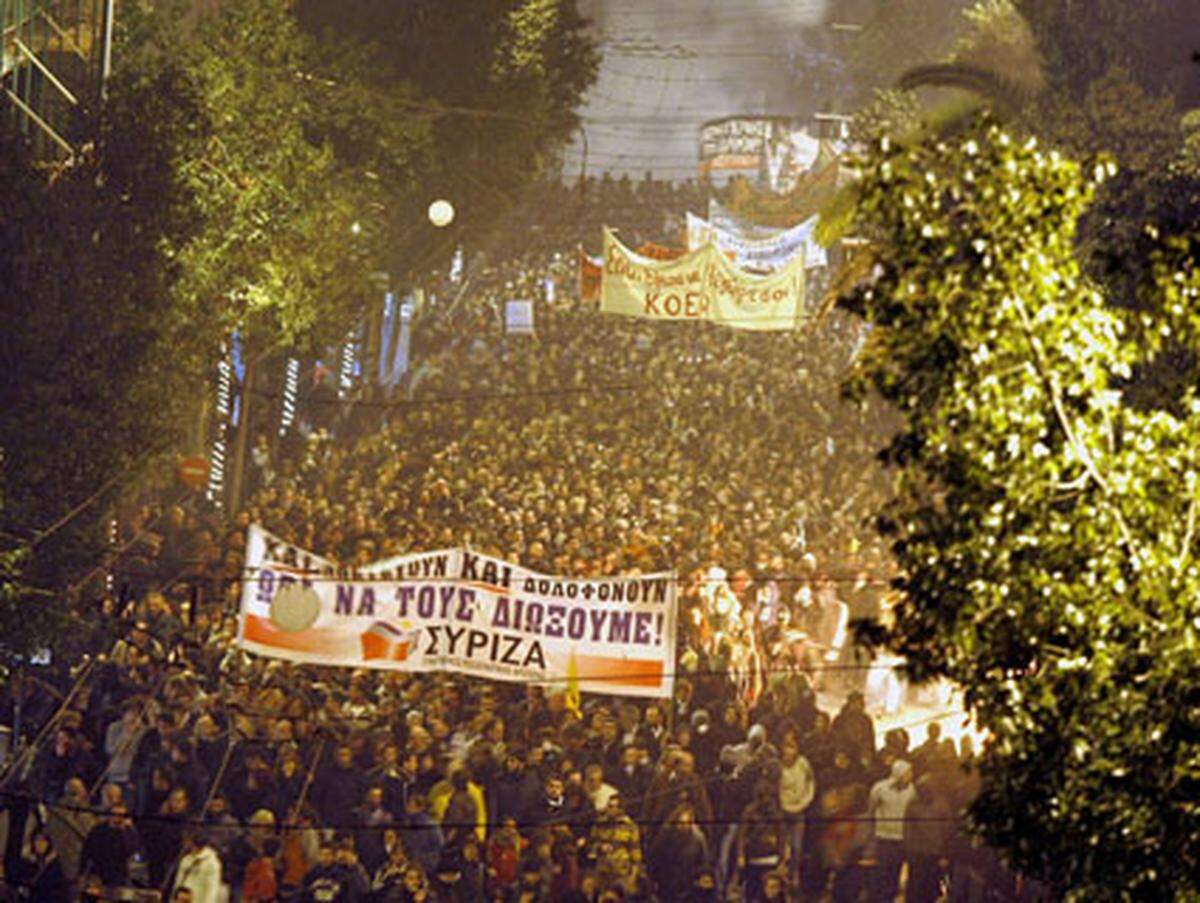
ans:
x=755 y=752
x=887 y=805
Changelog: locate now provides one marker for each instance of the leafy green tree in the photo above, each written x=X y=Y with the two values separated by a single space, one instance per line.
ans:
x=1045 y=528
x=240 y=176
x=25 y=623
x=896 y=37
x=1084 y=80
x=287 y=166
x=246 y=172
x=499 y=80
x=1191 y=141
x=95 y=360
x=1153 y=40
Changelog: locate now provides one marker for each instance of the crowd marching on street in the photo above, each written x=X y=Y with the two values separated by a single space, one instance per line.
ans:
x=167 y=759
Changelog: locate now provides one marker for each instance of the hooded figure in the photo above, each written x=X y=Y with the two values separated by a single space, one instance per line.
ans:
x=41 y=873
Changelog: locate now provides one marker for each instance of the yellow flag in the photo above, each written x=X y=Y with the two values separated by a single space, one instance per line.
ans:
x=572 y=698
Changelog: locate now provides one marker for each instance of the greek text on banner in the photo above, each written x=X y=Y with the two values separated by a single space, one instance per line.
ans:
x=700 y=285
x=770 y=253
x=459 y=611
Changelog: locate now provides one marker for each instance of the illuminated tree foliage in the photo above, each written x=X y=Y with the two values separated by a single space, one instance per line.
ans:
x=1046 y=529
x=287 y=225
x=209 y=198
x=1084 y=81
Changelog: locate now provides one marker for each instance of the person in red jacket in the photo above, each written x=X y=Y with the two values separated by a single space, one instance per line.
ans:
x=260 y=885
x=504 y=850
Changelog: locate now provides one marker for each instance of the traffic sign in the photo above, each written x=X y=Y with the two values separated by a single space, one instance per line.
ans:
x=193 y=471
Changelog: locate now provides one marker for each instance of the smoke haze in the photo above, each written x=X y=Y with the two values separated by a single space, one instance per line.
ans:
x=669 y=65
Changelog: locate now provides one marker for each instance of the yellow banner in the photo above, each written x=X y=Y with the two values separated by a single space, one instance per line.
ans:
x=701 y=285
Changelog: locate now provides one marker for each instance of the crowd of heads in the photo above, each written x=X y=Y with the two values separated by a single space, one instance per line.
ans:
x=596 y=446
x=564 y=214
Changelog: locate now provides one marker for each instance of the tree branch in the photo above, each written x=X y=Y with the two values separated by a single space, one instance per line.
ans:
x=1188 y=535
x=1081 y=450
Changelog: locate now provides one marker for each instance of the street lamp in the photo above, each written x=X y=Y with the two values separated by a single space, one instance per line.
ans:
x=441 y=213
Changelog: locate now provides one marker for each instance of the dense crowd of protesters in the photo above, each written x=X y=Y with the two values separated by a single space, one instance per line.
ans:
x=562 y=215
x=596 y=446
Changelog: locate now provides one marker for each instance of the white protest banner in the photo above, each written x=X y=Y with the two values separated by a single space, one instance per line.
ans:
x=454 y=610
x=518 y=317
x=723 y=218
x=759 y=253
x=701 y=285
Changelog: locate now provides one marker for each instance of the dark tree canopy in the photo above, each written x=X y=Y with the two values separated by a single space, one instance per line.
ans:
x=500 y=81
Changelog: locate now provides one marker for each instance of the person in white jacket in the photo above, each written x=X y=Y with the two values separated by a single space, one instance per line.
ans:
x=888 y=805
x=199 y=870
x=797 y=787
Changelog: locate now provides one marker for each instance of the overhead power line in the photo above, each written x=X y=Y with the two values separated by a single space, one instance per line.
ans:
x=567 y=819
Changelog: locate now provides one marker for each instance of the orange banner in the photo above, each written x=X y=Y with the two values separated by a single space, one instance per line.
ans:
x=660 y=252
x=590 y=273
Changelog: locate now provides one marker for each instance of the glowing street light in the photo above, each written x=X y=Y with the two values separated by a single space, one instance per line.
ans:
x=441 y=213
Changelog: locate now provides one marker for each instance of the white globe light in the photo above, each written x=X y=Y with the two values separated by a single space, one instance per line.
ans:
x=295 y=608
x=441 y=213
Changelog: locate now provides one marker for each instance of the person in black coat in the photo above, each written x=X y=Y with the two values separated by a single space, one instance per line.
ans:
x=252 y=786
x=108 y=847
x=678 y=855
x=288 y=782
x=165 y=840
x=56 y=764
x=373 y=819
x=210 y=744
x=550 y=807
x=41 y=874
x=337 y=786
x=397 y=776
x=153 y=751
x=325 y=880
x=632 y=779
x=189 y=772
x=514 y=789
x=356 y=883
x=853 y=728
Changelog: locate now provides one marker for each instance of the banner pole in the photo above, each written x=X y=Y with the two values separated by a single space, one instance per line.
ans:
x=18 y=761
